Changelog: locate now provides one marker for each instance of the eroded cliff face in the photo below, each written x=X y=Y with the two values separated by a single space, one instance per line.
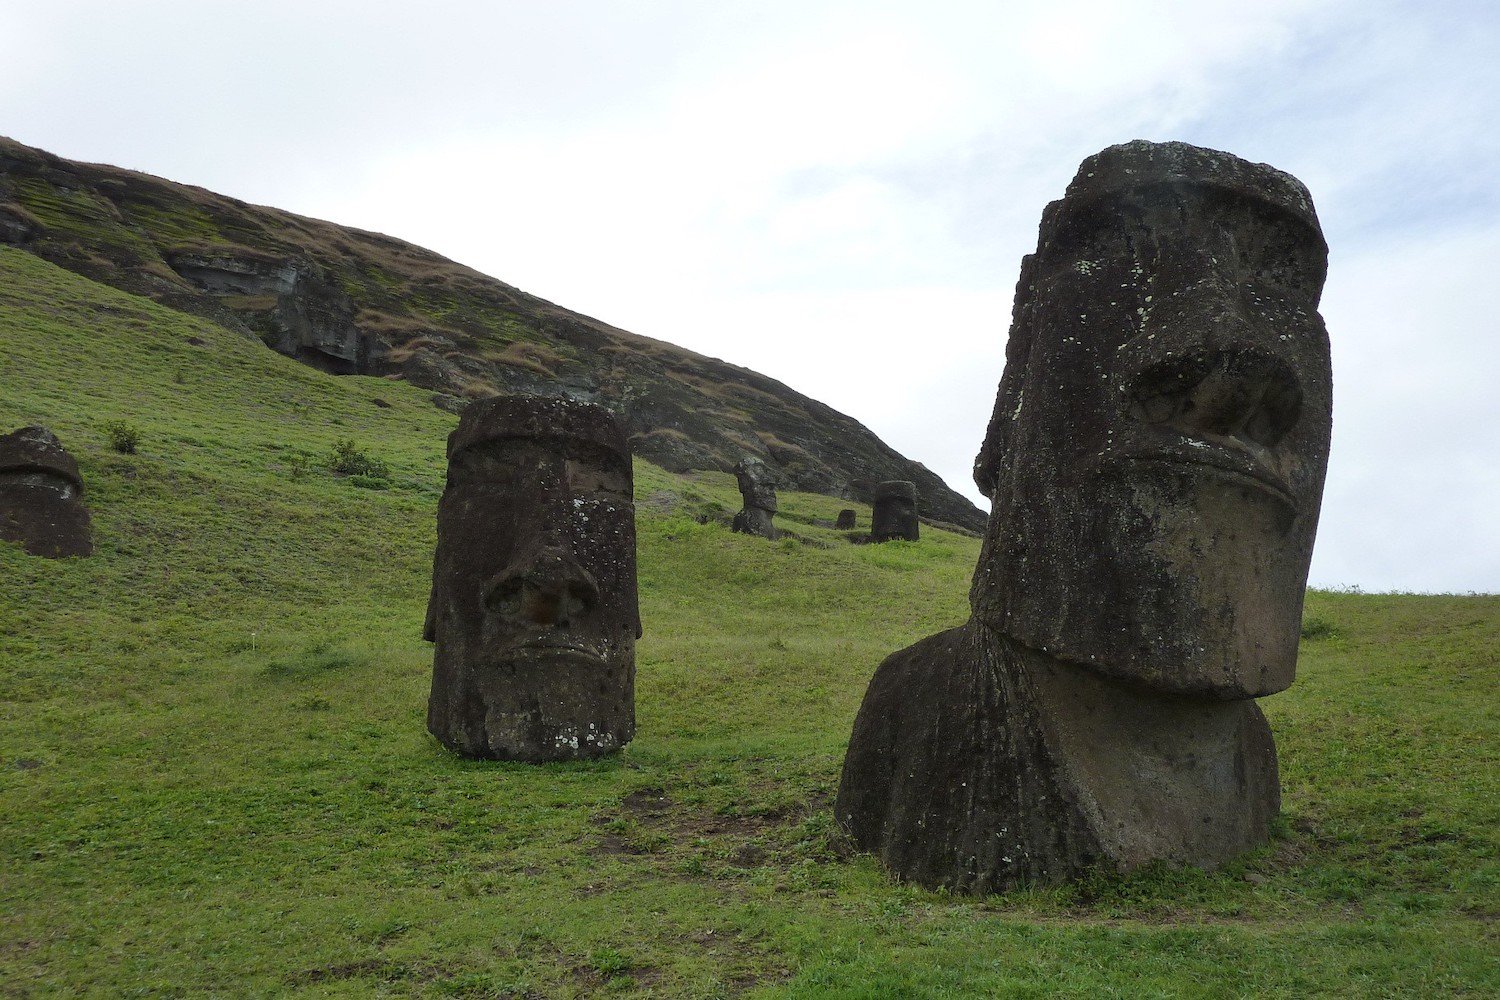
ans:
x=356 y=303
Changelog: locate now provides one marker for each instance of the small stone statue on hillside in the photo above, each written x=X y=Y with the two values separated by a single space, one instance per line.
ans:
x=533 y=608
x=40 y=496
x=1155 y=461
x=846 y=520
x=758 y=490
x=895 y=512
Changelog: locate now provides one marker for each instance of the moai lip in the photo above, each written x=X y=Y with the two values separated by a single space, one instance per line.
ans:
x=534 y=611
x=758 y=492
x=41 y=492
x=894 y=513
x=1159 y=441
x=1155 y=462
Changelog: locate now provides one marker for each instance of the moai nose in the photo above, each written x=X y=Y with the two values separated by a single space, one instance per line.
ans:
x=550 y=589
x=1244 y=395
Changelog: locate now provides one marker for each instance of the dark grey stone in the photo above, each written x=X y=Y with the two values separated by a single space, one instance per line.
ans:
x=894 y=513
x=1155 y=462
x=846 y=520
x=758 y=492
x=533 y=609
x=41 y=494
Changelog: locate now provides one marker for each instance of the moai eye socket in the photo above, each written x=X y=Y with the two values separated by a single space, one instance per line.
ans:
x=1244 y=395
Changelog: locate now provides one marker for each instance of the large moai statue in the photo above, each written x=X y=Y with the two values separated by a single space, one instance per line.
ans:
x=894 y=513
x=40 y=496
x=758 y=491
x=1155 y=461
x=533 y=608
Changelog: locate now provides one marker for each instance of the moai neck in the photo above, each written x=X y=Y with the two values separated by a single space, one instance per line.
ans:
x=1155 y=775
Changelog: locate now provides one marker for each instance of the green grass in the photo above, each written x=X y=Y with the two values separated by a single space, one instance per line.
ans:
x=215 y=776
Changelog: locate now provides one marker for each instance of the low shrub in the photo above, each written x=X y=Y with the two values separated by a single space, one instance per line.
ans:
x=123 y=437
x=350 y=459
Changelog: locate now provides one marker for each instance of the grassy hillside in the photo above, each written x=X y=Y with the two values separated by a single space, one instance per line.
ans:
x=350 y=301
x=214 y=773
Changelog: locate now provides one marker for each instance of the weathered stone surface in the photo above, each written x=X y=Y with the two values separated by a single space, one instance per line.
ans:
x=846 y=520
x=533 y=608
x=304 y=314
x=758 y=491
x=894 y=513
x=1156 y=462
x=41 y=493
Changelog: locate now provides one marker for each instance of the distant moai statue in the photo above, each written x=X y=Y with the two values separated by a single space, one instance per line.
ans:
x=533 y=609
x=846 y=520
x=1155 y=462
x=41 y=493
x=758 y=491
x=895 y=512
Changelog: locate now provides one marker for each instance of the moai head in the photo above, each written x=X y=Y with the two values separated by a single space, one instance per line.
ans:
x=846 y=519
x=895 y=512
x=533 y=605
x=1157 y=451
x=757 y=483
x=758 y=490
x=40 y=491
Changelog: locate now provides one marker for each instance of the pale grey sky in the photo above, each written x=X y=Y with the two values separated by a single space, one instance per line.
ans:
x=812 y=188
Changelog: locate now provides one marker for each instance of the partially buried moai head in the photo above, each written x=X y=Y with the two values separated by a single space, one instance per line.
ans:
x=534 y=610
x=758 y=491
x=1158 y=447
x=893 y=514
x=757 y=483
x=40 y=496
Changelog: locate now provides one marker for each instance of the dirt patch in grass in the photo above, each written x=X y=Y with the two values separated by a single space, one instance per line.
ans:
x=382 y=969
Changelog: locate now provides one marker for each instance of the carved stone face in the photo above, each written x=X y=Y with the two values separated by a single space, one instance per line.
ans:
x=757 y=483
x=40 y=491
x=893 y=513
x=1159 y=443
x=534 y=608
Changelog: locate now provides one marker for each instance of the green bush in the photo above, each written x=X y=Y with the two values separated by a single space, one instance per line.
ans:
x=350 y=459
x=123 y=437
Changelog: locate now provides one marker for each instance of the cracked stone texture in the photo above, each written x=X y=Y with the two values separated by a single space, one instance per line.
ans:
x=758 y=492
x=533 y=611
x=1155 y=461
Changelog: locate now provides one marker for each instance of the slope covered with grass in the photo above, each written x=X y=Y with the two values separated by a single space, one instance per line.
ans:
x=215 y=777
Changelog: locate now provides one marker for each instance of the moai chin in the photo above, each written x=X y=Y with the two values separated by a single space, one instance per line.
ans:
x=1155 y=462
x=894 y=513
x=846 y=520
x=40 y=496
x=758 y=491
x=533 y=610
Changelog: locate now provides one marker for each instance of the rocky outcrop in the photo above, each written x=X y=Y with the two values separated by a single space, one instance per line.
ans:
x=354 y=302
x=306 y=316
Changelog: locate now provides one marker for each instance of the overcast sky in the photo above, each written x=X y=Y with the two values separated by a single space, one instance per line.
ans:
x=839 y=194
